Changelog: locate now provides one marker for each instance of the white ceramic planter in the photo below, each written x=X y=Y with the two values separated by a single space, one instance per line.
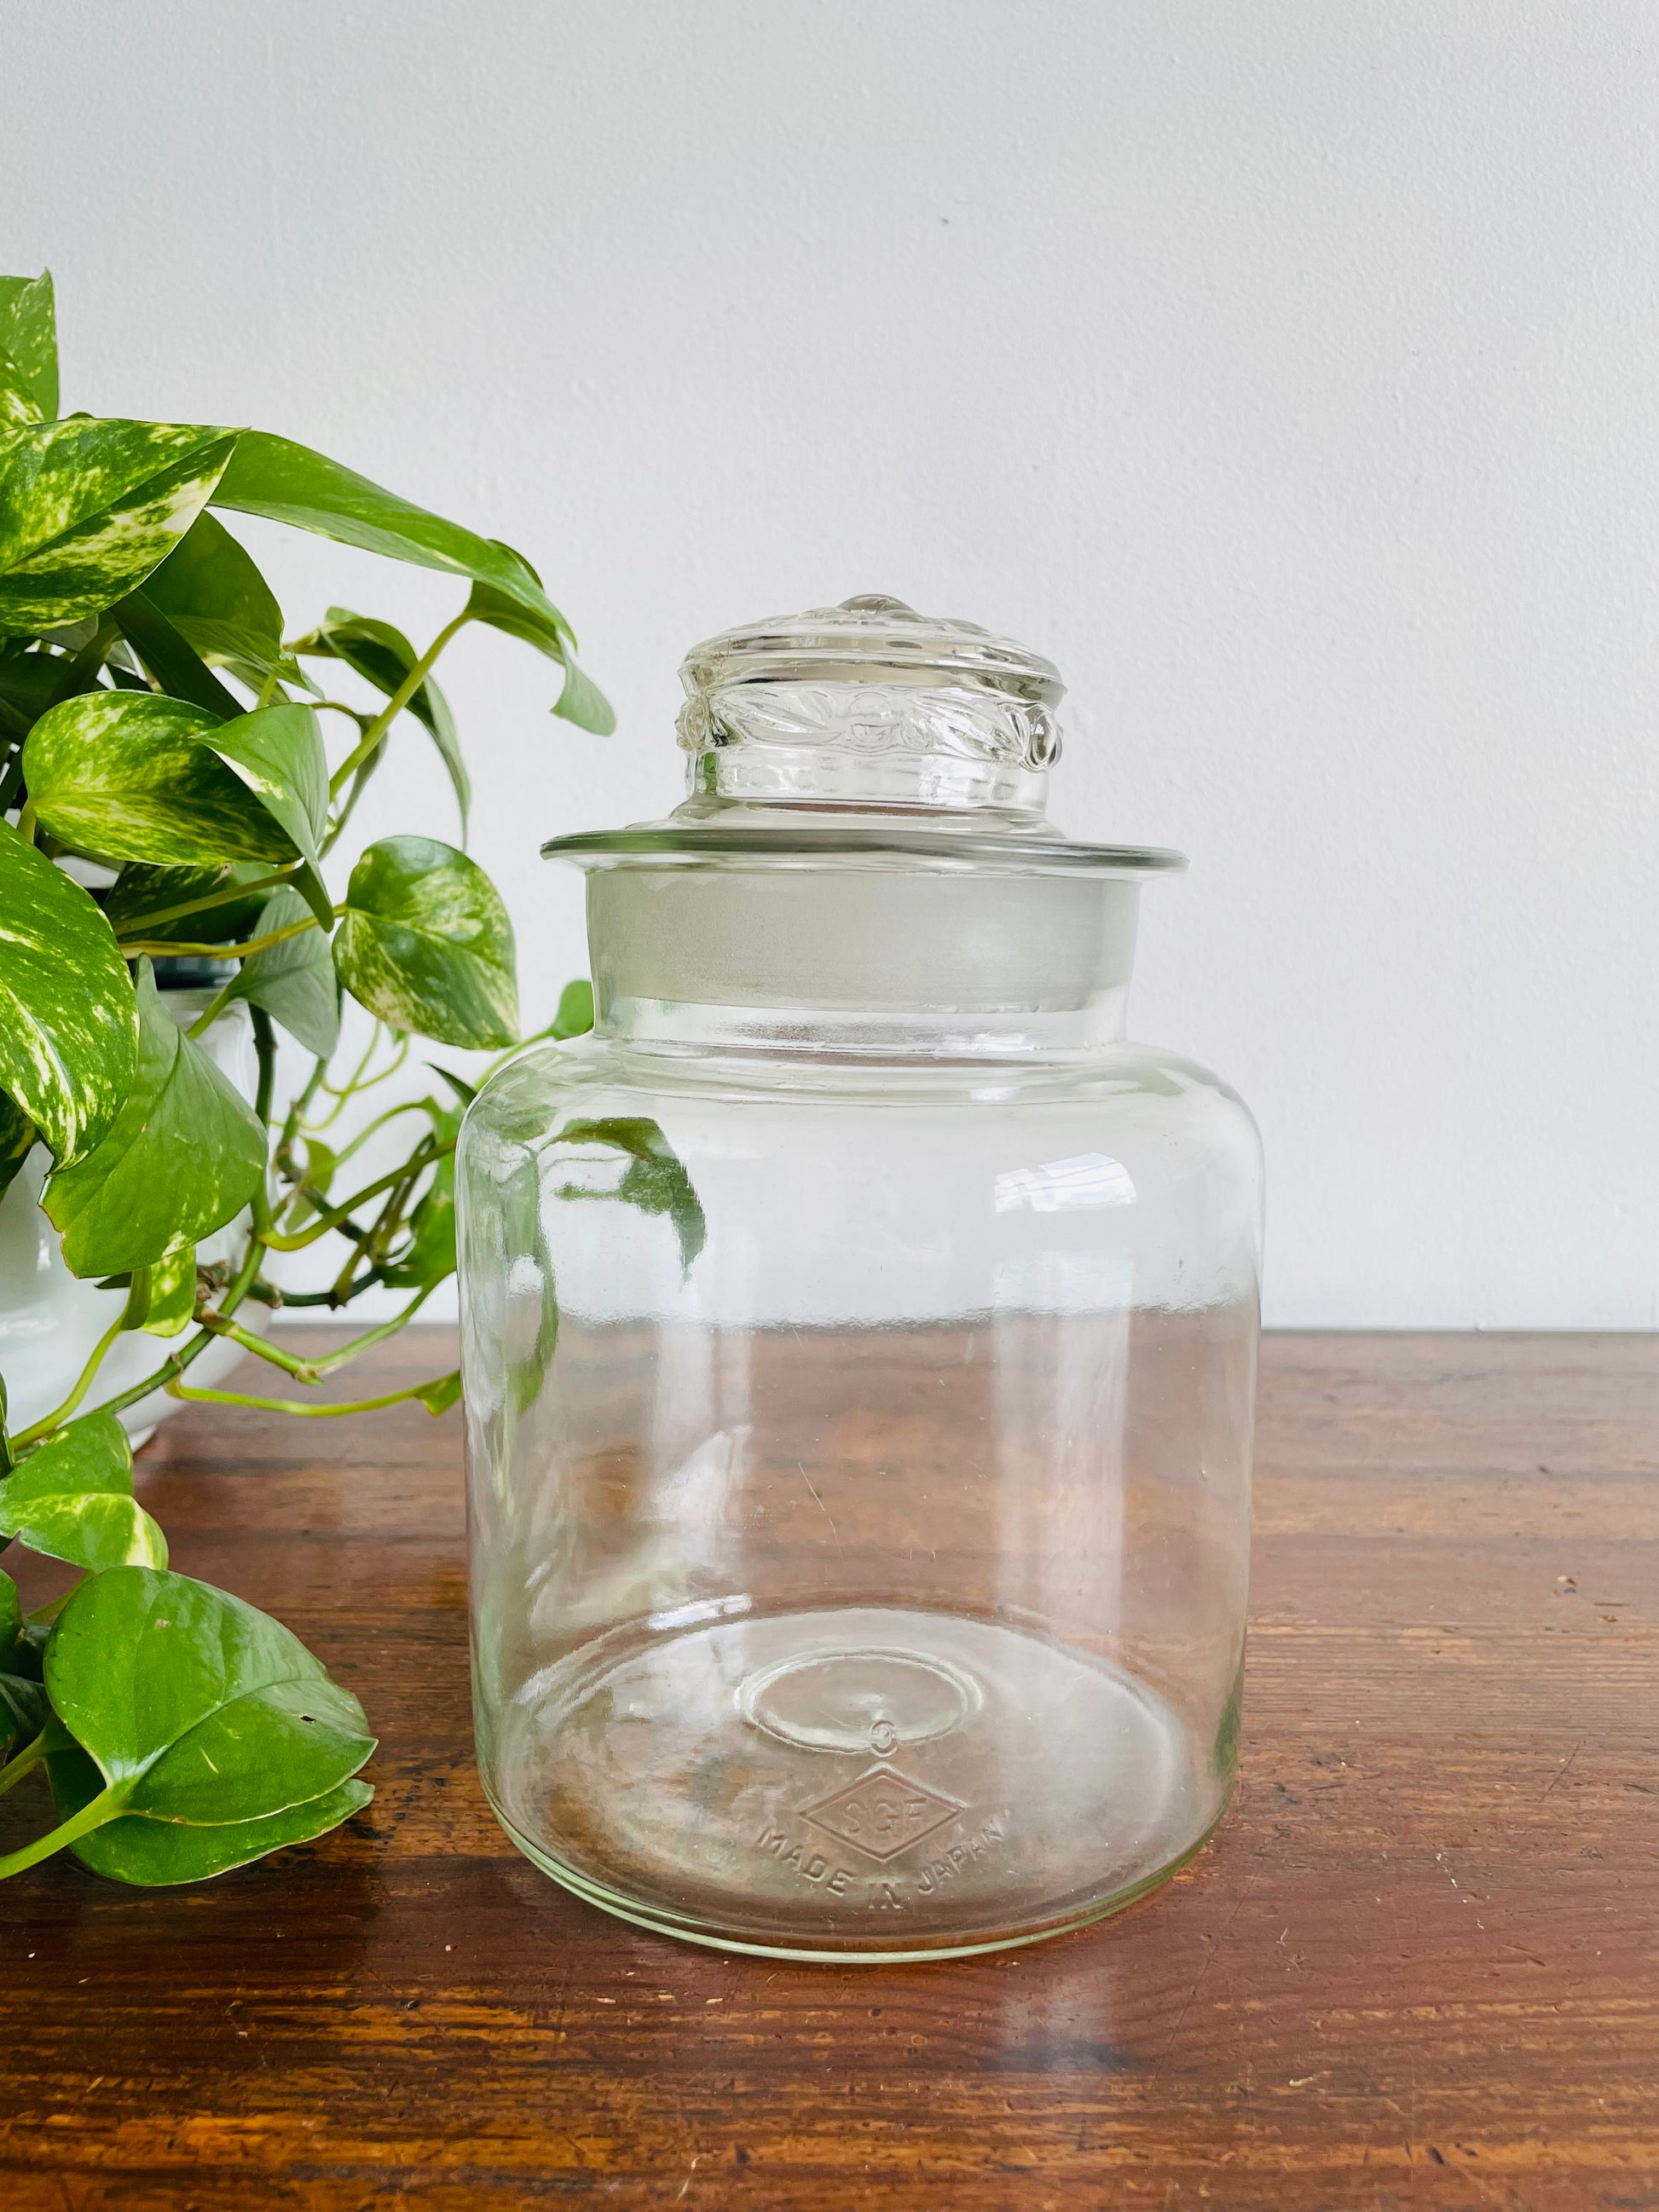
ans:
x=50 y=1322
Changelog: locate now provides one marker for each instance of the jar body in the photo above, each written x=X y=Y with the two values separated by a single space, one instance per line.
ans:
x=859 y=1460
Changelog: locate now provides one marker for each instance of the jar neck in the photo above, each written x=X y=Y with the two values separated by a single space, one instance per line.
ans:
x=837 y=1033
x=891 y=963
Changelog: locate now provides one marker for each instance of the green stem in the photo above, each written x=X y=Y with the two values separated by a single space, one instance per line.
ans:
x=339 y=707
x=45 y=1427
x=298 y=1238
x=261 y=1346
x=164 y=947
x=282 y=1156
x=25 y=1763
x=329 y=1298
x=220 y=897
x=353 y=1083
x=394 y=706
x=375 y=1246
x=336 y=828
x=314 y=1371
x=214 y=1006
x=104 y=1807
x=334 y=1360
x=297 y=1406
x=25 y=822
x=264 y=1047
x=374 y=1127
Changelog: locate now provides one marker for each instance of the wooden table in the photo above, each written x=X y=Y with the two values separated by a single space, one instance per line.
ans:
x=1418 y=1967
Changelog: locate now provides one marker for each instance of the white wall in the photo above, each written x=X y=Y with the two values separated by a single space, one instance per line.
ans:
x=1289 y=373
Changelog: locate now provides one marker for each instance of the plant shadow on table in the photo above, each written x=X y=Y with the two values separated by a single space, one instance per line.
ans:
x=306 y=1915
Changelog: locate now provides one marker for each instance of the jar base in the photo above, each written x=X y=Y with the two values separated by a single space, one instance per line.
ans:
x=851 y=1781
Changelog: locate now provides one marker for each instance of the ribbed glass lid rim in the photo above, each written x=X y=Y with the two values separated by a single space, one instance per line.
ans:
x=693 y=841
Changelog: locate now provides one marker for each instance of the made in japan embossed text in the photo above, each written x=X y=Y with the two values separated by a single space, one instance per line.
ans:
x=882 y=1815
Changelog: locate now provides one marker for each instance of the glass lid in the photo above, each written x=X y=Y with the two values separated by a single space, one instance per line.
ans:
x=861 y=733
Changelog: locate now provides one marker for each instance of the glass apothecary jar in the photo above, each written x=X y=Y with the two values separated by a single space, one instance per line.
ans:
x=859 y=1340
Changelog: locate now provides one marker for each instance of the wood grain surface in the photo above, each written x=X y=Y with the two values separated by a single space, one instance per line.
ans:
x=1418 y=1967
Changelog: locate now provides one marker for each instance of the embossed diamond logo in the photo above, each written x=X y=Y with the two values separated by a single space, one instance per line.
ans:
x=881 y=1814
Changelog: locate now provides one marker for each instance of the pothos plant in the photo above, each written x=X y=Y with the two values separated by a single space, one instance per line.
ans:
x=168 y=793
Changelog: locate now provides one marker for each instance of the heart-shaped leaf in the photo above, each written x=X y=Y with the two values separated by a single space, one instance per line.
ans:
x=573 y=1016
x=157 y=1853
x=211 y=591
x=88 y=507
x=515 y=610
x=296 y=982
x=28 y=333
x=581 y=701
x=655 y=1182
x=172 y=1289
x=425 y=944
x=201 y=1714
x=289 y=483
x=183 y=1156
x=220 y=1709
x=277 y=752
x=125 y=775
x=72 y=1499
x=67 y=1028
x=384 y=656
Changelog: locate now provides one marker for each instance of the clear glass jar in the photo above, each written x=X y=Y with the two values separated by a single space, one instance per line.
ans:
x=859 y=1340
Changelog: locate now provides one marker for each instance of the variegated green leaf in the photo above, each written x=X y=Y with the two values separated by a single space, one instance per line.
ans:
x=184 y=1156
x=29 y=333
x=88 y=507
x=295 y=982
x=581 y=701
x=18 y=405
x=211 y=591
x=17 y=1135
x=67 y=1028
x=425 y=944
x=72 y=1499
x=277 y=752
x=289 y=483
x=172 y=1289
x=125 y=775
x=384 y=656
